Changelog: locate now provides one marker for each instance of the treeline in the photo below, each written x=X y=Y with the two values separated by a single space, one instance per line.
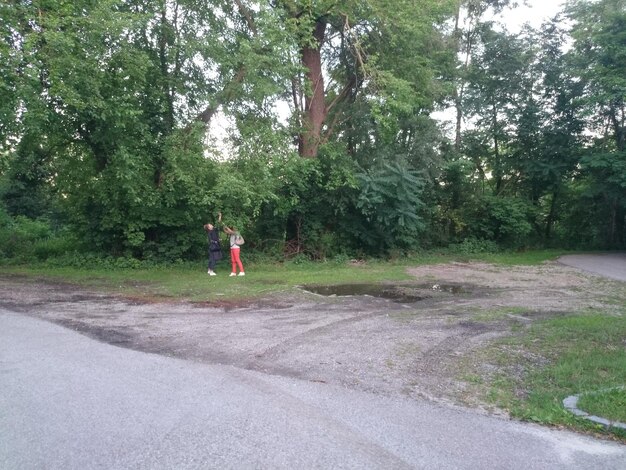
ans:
x=105 y=109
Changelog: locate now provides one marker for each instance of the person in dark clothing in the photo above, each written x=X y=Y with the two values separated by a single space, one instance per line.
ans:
x=215 y=250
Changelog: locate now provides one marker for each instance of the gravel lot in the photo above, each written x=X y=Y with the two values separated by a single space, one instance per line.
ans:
x=405 y=346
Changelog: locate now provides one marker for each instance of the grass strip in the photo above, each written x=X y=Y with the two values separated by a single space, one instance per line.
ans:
x=610 y=404
x=190 y=281
x=556 y=358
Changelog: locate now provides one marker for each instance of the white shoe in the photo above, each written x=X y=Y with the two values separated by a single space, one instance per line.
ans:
x=242 y=273
x=212 y=273
x=232 y=274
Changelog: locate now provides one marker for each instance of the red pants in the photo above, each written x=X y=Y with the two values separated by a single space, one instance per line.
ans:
x=236 y=260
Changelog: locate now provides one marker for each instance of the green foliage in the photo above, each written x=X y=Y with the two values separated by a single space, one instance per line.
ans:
x=94 y=261
x=391 y=200
x=590 y=202
x=471 y=246
x=104 y=108
x=505 y=220
x=598 y=57
x=24 y=240
x=313 y=205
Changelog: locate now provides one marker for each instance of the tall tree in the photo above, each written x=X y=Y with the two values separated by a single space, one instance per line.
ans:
x=468 y=17
x=492 y=93
x=549 y=122
x=599 y=34
x=345 y=52
x=105 y=93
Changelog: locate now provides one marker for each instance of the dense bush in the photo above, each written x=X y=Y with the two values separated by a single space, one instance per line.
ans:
x=502 y=220
x=23 y=239
x=473 y=246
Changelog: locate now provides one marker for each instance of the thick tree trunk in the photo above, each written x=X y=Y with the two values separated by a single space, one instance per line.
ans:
x=315 y=105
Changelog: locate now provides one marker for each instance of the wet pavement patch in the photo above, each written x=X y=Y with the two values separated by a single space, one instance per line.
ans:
x=105 y=334
x=396 y=293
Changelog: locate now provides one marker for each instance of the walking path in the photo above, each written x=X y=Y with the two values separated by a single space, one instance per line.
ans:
x=611 y=265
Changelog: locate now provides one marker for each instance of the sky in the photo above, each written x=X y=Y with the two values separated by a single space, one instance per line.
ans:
x=537 y=12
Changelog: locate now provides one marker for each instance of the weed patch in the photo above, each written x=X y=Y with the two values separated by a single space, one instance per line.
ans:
x=610 y=404
x=552 y=359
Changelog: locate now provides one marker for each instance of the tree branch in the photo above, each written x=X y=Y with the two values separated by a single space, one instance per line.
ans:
x=343 y=94
x=222 y=98
x=247 y=14
x=227 y=92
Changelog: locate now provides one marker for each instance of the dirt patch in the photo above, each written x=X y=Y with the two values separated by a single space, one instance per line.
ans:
x=415 y=348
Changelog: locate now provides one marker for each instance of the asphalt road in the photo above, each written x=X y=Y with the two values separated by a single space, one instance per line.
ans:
x=611 y=265
x=70 y=402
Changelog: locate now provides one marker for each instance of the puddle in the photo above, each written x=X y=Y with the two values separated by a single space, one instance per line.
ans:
x=400 y=294
x=449 y=288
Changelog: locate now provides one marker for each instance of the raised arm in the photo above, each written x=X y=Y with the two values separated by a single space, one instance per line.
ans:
x=228 y=230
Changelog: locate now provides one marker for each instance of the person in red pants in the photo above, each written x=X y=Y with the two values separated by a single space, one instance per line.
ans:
x=235 y=241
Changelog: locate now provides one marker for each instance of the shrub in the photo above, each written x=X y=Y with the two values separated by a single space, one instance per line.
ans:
x=24 y=240
x=472 y=245
x=505 y=220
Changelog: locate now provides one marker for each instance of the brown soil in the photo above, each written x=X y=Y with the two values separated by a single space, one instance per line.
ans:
x=418 y=349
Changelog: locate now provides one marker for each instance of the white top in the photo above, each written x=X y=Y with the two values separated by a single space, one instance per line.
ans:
x=233 y=245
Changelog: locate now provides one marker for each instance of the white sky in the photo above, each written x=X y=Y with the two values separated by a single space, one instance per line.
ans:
x=537 y=12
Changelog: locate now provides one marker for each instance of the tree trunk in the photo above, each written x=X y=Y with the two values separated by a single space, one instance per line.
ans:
x=458 y=87
x=315 y=105
x=618 y=127
x=165 y=78
x=497 y=169
x=551 y=215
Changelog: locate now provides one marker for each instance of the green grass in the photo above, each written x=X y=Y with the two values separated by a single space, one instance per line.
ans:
x=191 y=281
x=580 y=354
x=610 y=404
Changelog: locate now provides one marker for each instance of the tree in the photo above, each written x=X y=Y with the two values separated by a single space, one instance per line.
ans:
x=599 y=54
x=468 y=19
x=550 y=125
x=491 y=98
x=345 y=52
x=107 y=98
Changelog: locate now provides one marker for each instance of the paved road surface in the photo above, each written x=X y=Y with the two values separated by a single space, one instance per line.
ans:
x=611 y=265
x=69 y=402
